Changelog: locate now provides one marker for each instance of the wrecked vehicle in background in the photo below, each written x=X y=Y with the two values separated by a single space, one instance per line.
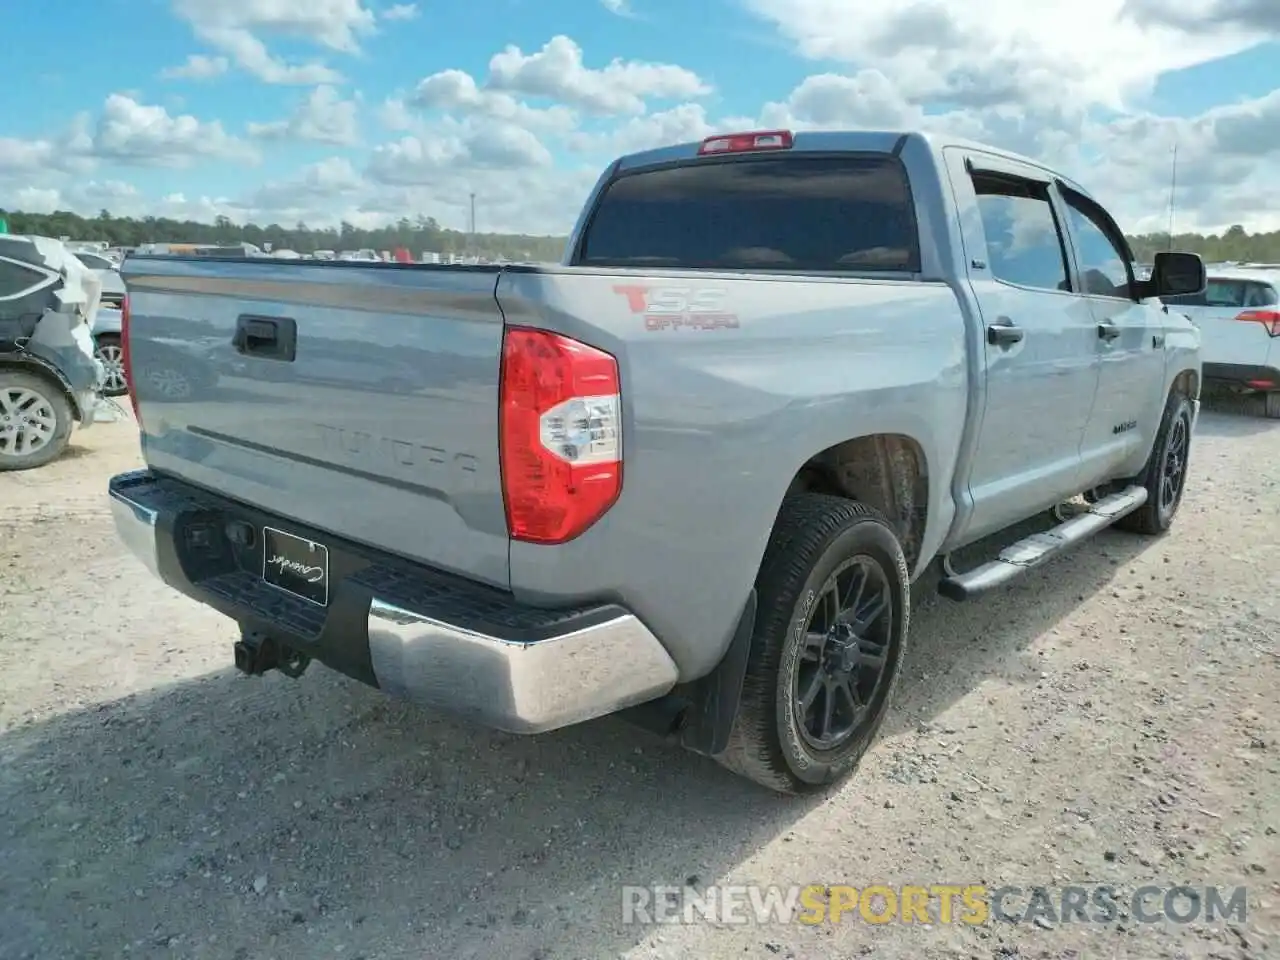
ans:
x=49 y=377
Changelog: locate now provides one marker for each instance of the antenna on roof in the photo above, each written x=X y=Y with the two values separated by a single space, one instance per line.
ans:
x=1173 y=187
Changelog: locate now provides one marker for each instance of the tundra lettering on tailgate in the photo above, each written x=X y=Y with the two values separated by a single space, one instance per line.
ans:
x=678 y=308
x=399 y=459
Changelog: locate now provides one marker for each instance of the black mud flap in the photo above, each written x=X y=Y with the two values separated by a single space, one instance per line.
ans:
x=714 y=700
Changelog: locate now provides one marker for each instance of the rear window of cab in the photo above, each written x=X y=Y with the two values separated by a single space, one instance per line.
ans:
x=848 y=213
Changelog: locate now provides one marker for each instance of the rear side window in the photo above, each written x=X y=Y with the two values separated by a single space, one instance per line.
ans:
x=1023 y=242
x=849 y=213
x=1260 y=295
x=1224 y=293
x=17 y=280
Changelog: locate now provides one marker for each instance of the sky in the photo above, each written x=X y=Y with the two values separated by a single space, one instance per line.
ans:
x=318 y=111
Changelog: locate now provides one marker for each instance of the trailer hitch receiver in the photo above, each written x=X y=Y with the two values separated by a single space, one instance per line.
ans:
x=256 y=653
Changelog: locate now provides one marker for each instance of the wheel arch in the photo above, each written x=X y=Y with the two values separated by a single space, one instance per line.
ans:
x=27 y=363
x=888 y=472
x=1187 y=383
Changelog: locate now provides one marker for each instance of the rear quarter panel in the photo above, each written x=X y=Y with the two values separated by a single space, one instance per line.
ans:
x=1226 y=340
x=718 y=416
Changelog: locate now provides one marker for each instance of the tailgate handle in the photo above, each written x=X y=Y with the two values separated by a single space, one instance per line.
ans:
x=271 y=338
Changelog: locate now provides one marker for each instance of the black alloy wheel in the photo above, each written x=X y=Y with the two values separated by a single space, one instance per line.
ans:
x=845 y=650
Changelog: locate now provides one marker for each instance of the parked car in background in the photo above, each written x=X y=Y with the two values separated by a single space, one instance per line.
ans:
x=49 y=378
x=109 y=351
x=106 y=326
x=1239 y=318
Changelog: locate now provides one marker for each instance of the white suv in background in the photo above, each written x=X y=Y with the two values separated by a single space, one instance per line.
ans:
x=1239 y=319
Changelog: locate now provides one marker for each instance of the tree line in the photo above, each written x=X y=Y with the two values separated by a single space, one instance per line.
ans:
x=420 y=235
x=1234 y=244
x=425 y=235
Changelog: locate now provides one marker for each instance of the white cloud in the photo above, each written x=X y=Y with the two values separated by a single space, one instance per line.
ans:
x=680 y=124
x=867 y=100
x=1228 y=162
x=315 y=186
x=34 y=200
x=129 y=132
x=454 y=146
x=1081 y=52
x=394 y=114
x=197 y=67
x=25 y=156
x=1262 y=16
x=125 y=133
x=620 y=8
x=558 y=72
x=401 y=11
x=457 y=91
x=236 y=27
x=324 y=117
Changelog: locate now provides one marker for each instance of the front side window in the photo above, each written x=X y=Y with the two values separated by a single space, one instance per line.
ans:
x=1104 y=268
x=1024 y=246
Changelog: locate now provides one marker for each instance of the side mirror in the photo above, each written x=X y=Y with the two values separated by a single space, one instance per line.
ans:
x=1176 y=275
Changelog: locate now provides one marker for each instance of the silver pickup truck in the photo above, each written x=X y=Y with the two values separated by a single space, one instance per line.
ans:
x=691 y=473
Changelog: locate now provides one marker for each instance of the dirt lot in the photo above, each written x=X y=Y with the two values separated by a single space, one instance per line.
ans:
x=1113 y=719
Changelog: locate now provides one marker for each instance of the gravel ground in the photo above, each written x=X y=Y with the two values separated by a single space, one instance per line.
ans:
x=1111 y=719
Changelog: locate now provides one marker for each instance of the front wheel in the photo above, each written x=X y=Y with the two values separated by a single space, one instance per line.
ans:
x=831 y=628
x=35 y=421
x=1165 y=474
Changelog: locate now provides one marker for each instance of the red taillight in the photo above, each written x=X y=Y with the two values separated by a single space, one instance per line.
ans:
x=745 y=142
x=560 y=435
x=1270 y=320
x=125 y=359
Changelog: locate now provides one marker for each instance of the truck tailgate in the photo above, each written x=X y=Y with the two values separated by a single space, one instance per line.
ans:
x=360 y=400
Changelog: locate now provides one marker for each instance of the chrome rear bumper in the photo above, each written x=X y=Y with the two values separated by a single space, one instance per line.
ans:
x=520 y=687
x=527 y=678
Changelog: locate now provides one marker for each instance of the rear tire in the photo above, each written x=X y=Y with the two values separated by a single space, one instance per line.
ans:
x=1271 y=407
x=831 y=627
x=1165 y=474
x=35 y=421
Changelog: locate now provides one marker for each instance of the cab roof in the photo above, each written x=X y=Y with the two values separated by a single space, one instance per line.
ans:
x=837 y=141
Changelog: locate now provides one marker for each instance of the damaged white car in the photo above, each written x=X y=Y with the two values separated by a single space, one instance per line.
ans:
x=49 y=377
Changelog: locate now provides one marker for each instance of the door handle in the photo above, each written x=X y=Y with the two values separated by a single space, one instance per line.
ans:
x=255 y=334
x=272 y=338
x=1004 y=333
x=1108 y=331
